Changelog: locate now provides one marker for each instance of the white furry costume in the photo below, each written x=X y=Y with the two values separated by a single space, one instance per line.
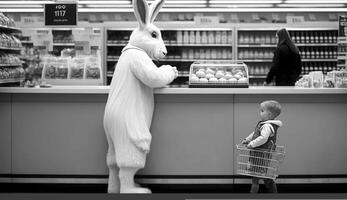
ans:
x=130 y=104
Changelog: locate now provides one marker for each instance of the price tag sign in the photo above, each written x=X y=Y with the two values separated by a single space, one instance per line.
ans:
x=295 y=19
x=61 y=14
x=206 y=20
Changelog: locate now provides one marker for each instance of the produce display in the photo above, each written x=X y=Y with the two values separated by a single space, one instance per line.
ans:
x=77 y=68
x=218 y=74
x=93 y=69
x=9 y=59
x=6 y=21
x=7 y=73
x=11 y=69
x=333 y=79
x=9 y=41
x=83 y=67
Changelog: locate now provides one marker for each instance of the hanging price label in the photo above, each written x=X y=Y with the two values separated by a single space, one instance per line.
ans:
x=61 y=14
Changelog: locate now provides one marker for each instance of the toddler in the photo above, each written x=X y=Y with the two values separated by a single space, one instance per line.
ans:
x=264 y=137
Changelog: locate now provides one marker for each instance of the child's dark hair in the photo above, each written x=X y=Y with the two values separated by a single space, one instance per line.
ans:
x=273 y=106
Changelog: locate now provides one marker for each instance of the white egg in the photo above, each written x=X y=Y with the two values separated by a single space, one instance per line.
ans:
x=239 y=73
x=213 y=80
x=203 y=80
x=202 y=69
x=208 y=76
x=222 y=80
x=219 y=75
x=232 y=80
x=200 y=74
x=209 y=71
x=228 y=76
x=194 y=79
x=243 y=80
x=237 y=76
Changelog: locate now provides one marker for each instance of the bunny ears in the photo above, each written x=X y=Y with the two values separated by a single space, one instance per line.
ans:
x=144 y=14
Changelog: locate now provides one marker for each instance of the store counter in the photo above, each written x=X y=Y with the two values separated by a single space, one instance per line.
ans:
x=58 y=132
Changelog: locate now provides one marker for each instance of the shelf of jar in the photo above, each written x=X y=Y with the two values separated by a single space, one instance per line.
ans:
x=63 y=44
x=319 y=60
x=14 y=80
x=256 y=60
x=11 y=65
x=303 y=60
x=257 y=45
x=257 y=76
x=176 y=45
x=8 y=28
x=115 y=59
x=315 y=44
x=10 y=48
x=299 y=44
x=26 y=42
x=110 y=74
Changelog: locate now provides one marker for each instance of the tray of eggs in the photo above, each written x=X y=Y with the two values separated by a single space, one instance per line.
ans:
x=217 y=75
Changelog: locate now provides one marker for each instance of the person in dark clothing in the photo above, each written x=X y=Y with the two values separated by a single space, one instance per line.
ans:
x=286 y=63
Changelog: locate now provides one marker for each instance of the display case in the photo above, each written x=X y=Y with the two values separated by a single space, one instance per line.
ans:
x=255 y=46
x=184 y=46
x=218 y=74
x=11 y=70
x=65 y=56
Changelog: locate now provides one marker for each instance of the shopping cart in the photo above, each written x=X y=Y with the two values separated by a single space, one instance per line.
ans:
x=259 y=162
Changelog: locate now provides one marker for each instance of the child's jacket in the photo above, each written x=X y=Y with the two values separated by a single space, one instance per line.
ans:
x=264 y=135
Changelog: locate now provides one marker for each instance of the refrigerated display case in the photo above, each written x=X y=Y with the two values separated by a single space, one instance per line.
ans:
x=255 y=46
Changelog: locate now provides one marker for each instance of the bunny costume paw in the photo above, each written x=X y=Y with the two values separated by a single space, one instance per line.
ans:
x=130 y=104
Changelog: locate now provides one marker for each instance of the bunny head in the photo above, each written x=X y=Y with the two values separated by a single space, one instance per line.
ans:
x=147 y=36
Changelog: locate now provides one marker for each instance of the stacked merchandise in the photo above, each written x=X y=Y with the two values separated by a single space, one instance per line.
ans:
x=10 y=65
x=67 y=68
x=316 y=79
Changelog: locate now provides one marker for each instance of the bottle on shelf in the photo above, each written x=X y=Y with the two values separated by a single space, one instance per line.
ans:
x=211 y=37
x=224 y=38
x=251 y=38
x=204 y=37
x=218 y=38
x=191 y=37
x=185 y=37
x=230 y=37
x=197 y=37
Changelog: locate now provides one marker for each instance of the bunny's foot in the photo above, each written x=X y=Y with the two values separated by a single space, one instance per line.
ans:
x=134 y=190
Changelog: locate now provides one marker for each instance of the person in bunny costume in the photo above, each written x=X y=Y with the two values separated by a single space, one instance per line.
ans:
x=130 y=103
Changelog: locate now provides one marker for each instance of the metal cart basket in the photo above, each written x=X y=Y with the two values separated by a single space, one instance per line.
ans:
x=259 y=162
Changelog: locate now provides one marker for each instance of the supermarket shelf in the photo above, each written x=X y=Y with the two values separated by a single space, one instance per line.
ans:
x=256 y=60
x=63 y=44
x=192 y=60
x=257 y=76
x=112 y=59
x=27 y=42
x=299 y=45
x=118 y=44
x=10 y=49
x=257 y=45
x=176 y=45
x=11 y=80
x=7 y=28
x=10 y=65
x=319 y=60
x=198 y=45
x=316 y=44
